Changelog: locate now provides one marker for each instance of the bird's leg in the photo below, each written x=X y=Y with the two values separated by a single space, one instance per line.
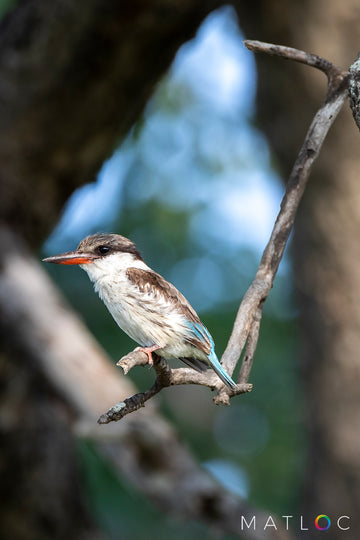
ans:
x=149 y=351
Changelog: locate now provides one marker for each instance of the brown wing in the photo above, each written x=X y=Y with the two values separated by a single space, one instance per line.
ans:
x=152 y=283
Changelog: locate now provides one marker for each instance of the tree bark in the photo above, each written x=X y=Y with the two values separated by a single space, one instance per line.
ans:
x=325 y=247
x=74 y=78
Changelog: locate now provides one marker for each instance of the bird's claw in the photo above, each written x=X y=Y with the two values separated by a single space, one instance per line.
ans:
x=148 y=351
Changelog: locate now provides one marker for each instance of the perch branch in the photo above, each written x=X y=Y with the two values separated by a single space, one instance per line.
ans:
x=246 y=328
x=164 y=377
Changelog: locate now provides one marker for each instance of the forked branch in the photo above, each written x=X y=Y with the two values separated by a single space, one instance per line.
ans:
x=247 y=323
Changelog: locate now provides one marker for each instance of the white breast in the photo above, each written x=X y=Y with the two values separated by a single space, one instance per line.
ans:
x=146 y=319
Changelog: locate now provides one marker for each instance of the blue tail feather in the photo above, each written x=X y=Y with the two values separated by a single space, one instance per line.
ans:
x=220 y=371
x=201 y=332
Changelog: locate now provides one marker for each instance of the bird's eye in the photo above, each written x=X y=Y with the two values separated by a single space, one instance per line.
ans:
x=103 y=250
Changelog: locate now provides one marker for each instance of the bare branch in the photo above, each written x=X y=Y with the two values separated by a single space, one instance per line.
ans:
x=251 y=345
x=166 y=377
x=129 y=405
x=313 y=60
x=133 y=403
x=250 y=308
x=354 y=90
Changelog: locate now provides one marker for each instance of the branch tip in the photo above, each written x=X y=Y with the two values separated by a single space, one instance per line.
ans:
x=289 y=53
x=132 y=359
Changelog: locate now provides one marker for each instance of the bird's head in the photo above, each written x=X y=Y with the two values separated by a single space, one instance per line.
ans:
x=100 y=252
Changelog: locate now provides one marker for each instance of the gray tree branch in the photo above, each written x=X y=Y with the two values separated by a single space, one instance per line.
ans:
x=165 y=376
x=260 y=288
x=354 y=90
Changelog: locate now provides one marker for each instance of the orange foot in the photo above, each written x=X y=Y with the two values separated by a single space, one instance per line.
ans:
x=149 y=351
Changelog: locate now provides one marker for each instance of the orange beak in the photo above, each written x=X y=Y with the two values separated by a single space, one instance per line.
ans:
x=71 y=257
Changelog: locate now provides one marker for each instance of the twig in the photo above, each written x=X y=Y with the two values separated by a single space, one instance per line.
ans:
x=247 y=323
x=131 y=404
x=297 y=55
x=165 y=377
x=354 y=90
x=135 y=402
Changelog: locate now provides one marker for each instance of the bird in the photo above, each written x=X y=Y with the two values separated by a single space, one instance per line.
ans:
x=145 y=306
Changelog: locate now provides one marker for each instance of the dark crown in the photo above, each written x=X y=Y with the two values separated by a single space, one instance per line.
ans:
x=104 y=244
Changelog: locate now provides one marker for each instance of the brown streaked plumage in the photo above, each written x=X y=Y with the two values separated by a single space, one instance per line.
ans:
x=158 y=286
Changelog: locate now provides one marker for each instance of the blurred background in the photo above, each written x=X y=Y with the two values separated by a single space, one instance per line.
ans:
x=156 y=123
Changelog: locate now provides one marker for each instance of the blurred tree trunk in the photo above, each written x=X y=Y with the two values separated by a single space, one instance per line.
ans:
x=326 y=245
x=74 y=77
